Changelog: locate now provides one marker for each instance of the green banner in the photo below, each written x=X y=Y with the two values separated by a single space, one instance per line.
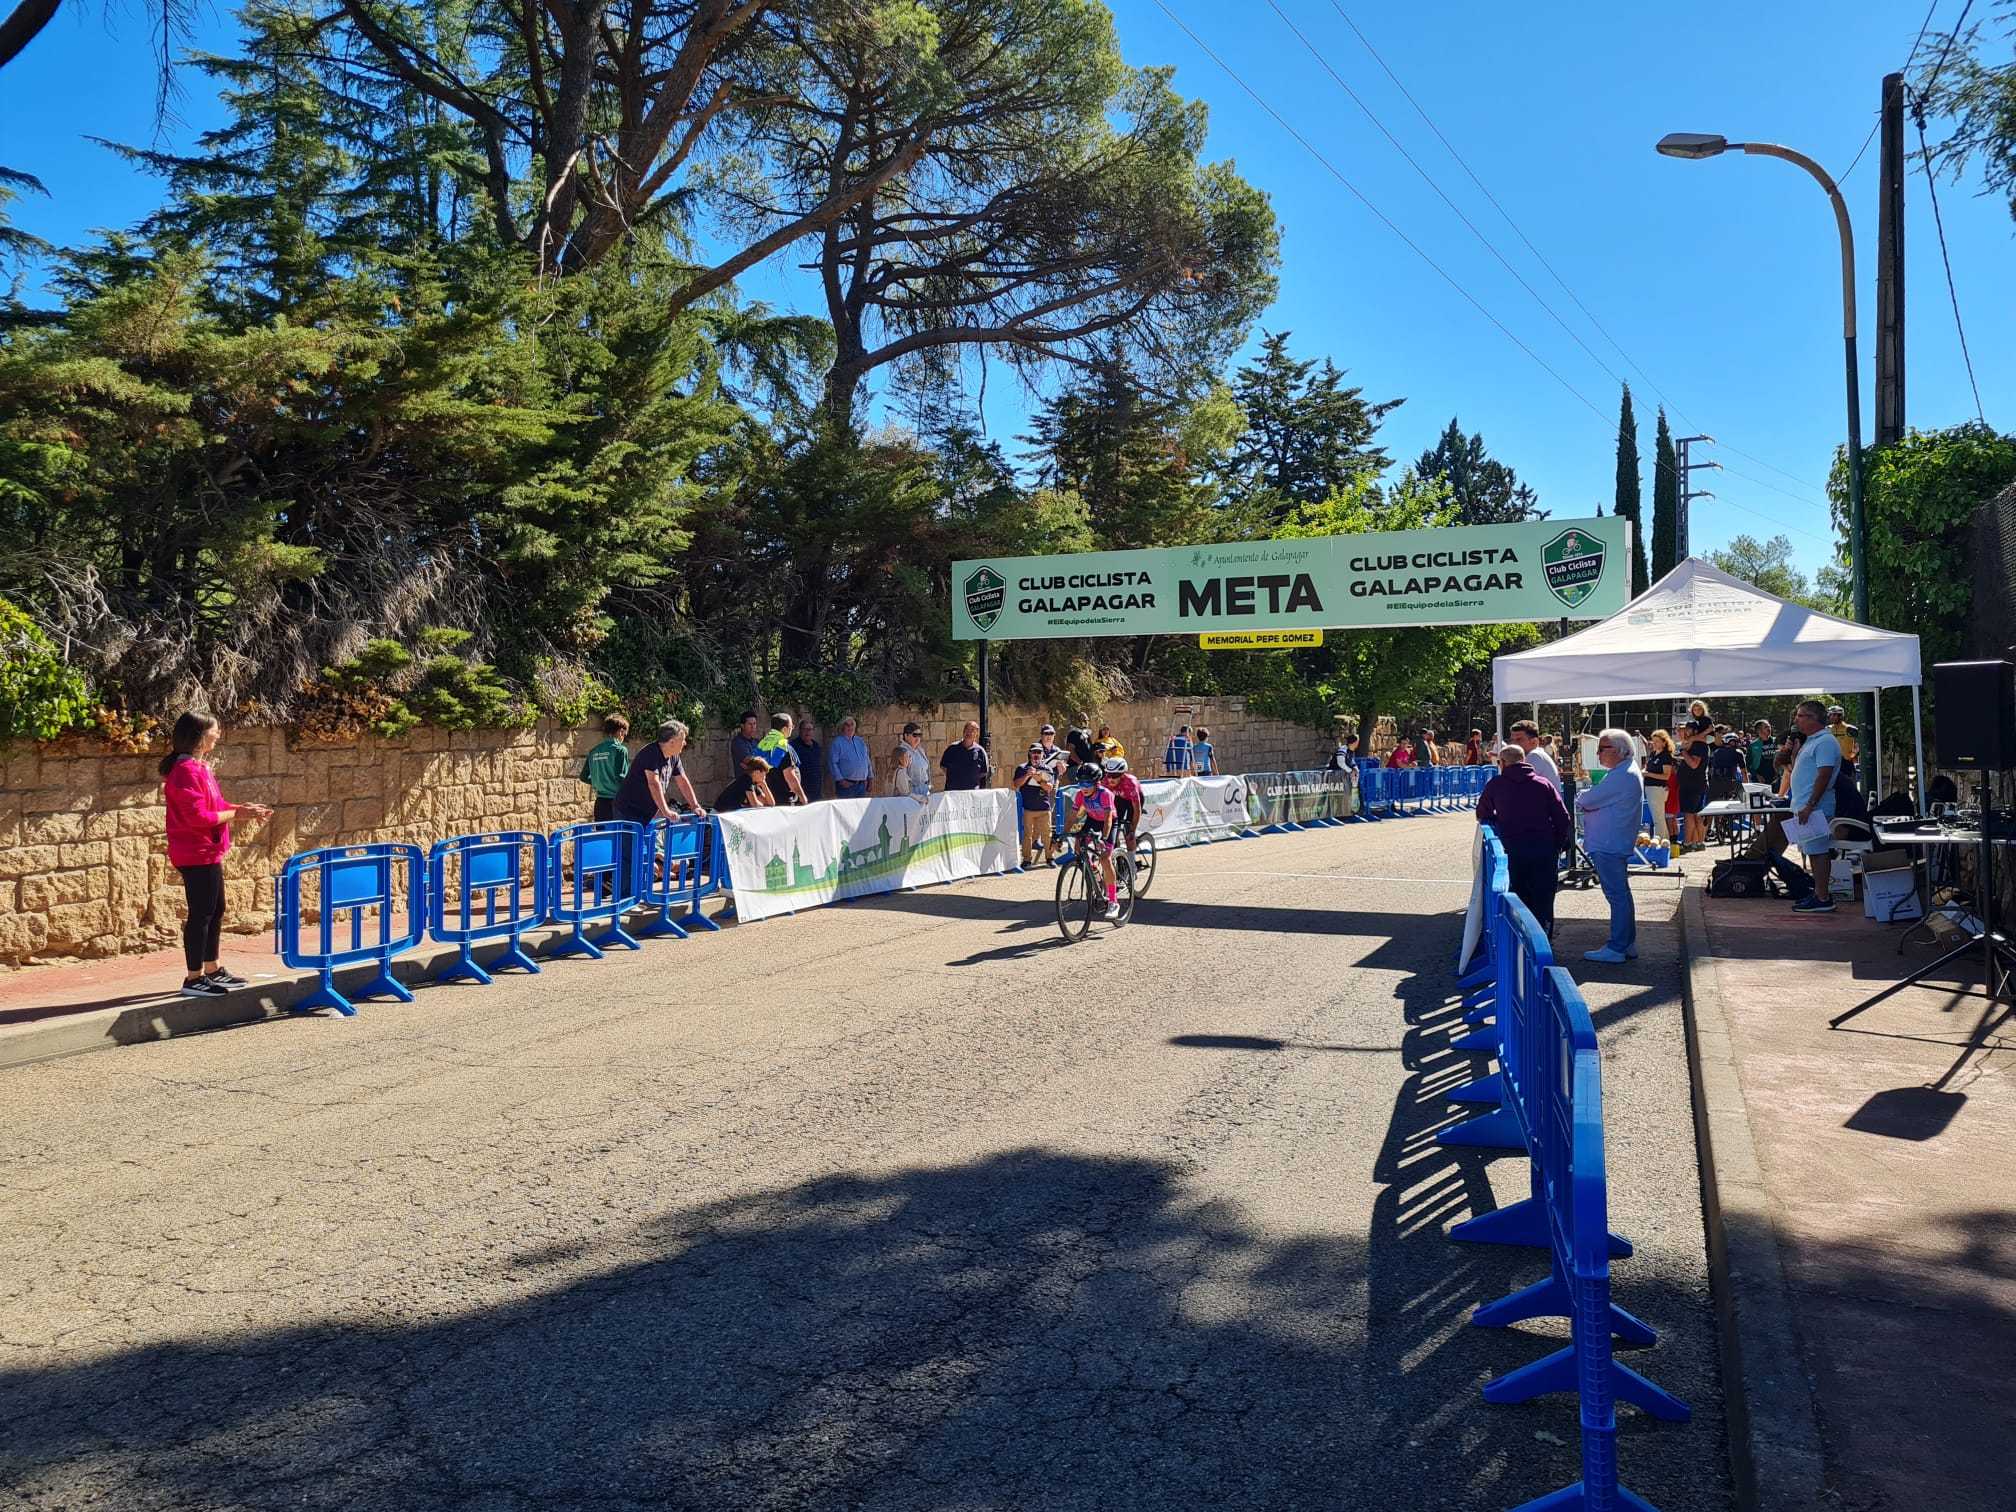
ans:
x=1459 y=575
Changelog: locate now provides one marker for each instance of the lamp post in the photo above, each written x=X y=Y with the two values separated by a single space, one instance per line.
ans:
x=1692 y=144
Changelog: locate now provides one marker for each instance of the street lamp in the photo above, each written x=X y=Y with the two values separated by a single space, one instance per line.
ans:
x=1696 y=144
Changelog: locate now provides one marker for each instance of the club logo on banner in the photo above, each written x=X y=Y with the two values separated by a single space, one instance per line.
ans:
x=986 y=592
x=1573 y=562
x=1298 y=797
x=784 y=859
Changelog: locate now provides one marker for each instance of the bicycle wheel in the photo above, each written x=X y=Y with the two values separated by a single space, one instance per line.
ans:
x=1075 y=882
x=1144 y=864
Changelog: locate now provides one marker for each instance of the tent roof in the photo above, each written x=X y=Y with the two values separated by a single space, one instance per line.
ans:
x=1699 y=630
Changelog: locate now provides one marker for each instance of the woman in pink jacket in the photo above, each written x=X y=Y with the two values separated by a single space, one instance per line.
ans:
x=199 y=835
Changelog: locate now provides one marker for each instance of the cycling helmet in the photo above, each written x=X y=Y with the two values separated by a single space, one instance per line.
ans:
x=1115 y=765
x=1087 y=773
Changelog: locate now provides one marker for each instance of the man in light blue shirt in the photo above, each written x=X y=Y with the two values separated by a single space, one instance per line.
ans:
x=1610 y=812
x=1812 y=793
x=848 y=760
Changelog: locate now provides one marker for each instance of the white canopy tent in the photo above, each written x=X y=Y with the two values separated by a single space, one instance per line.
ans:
x=1700 y=631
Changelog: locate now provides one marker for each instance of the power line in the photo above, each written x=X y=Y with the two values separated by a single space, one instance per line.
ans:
x=1527 y=241
x=1383 y=217
x=1939 y=221
x=1415 y=247
x=1909 y=59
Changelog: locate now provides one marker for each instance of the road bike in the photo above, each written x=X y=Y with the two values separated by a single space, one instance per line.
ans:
x=1081 y=889
x=1143 y=860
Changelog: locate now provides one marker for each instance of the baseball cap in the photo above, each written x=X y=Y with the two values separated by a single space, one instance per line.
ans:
x=1035 y=745
x=1834 y=709
x=1047 y=730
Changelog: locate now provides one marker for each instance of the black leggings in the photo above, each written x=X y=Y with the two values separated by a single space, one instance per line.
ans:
x=205 y=924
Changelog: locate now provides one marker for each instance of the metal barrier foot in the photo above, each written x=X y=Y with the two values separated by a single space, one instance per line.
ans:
x=1482 y=1042
x=1575 y=1499
x=1494 y=1131
x=616 y=934
x=325 y=995
x=1523 y=1223
x=385 y=985
x=1483 y=976
x=1486 y=1089
x=464 y=965
x=576 y=943
x=1549 y=1299
x=1640 y=1393
x=1556 y=1373
x=1483 y=1013
x=661 y=926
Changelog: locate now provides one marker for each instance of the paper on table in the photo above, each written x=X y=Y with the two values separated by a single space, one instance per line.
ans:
x=1819 y=827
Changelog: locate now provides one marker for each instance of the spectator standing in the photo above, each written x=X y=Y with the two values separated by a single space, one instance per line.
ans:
x=1692 y=775
x=1176 y=759
x=1525 y=736
x=607 y=765
x=1757 y=759
x=1354 y=747
x=1402 y=756
x=1054 y=756
x=1201 y=754
x=1035 y=787
x=1534 y=827
x=746 y=741
x=1610 y=811
x=848 y=760
x=811 y=756
x=909 y=767
x=1812 y=792
x=965 y=761
x=1659 y=783
x=786 y=786
x=750 y=789
x=199 y=838
x=1424 y=749
x=1082 y=745
x=1473 y=751
x=1845 y=735
x=656 y=786
x=1108 y=744
x=1725 y=767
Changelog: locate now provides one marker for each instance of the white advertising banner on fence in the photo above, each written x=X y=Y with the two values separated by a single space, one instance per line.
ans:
x=781 y=859
x=1191 y=810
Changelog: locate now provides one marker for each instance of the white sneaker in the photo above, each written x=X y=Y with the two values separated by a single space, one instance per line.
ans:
x=1606 y=956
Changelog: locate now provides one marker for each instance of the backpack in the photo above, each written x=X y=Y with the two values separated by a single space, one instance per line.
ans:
x=1741 y=878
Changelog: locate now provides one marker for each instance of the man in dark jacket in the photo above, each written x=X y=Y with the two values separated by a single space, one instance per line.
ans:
x=1533 y=826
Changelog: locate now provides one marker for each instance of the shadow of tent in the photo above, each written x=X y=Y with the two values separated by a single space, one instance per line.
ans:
x=1031 y=1329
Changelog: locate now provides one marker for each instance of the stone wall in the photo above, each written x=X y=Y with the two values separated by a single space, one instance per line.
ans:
x=84 y=868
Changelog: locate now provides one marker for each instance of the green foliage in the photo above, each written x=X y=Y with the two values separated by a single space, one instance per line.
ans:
x=1297 y=703
x=1972 y=82
x=1305 y=435
x=1665 y=501
x=1920 y=496
x=1629 y=501
x=1482 y=490
x=41 y=695
x=1768 y=564
x=826 y=693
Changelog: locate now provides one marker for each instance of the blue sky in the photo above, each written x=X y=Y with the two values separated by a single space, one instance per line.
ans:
x=1719 y=279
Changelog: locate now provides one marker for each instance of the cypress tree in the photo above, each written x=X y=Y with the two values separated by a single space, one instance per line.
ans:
x=1665 y=502
x=1629 y=500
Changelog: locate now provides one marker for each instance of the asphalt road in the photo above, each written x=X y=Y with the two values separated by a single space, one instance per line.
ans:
x=897 y=1205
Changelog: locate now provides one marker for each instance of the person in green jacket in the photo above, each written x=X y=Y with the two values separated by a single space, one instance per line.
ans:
x=1763 y=751
x=607 y=765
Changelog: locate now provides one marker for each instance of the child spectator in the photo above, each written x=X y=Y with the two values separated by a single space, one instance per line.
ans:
x=607 y=765
x=1201 y=754
x=749 y=790
x=199 y=837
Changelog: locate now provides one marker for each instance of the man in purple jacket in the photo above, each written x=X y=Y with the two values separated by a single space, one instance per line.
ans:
x=1533 y=826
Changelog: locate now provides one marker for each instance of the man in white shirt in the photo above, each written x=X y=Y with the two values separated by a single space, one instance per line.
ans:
x=1526 y=735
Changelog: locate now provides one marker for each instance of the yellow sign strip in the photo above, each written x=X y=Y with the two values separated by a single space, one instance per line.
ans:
x=1258 y=640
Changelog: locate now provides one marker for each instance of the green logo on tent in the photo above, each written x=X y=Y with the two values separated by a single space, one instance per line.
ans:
x=986 y=591
x=1573 y=562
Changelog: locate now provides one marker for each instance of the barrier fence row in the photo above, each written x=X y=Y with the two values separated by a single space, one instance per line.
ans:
x=1389 y=791
x=1546 y=1099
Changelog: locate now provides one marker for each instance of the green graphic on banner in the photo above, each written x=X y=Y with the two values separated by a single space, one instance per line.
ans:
x=1573 y=561
x=1459 y=575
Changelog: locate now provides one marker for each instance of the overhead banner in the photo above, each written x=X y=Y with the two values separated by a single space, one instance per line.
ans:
x=784 y=859
x=1456 y=575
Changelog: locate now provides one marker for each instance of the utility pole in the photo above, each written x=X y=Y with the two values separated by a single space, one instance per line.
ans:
x=1686 y=467
x=1890 y=268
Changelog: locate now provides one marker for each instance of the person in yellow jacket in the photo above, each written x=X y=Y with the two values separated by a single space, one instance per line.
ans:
x=1106 y=743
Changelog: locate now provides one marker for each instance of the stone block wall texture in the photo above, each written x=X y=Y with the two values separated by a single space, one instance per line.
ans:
x=84 y=867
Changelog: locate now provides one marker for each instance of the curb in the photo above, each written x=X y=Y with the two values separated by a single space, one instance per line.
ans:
x=1775 y=1456
x=172 y=1017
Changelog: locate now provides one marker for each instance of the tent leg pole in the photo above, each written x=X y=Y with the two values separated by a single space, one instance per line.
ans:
x=1876 y=708
x=1498 y=717
x=1918 y=745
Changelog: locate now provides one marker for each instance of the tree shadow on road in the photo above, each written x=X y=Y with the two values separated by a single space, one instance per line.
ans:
x=1031 y=1329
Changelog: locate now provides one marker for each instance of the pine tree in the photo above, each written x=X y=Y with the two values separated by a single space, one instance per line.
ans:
x=1306 y=435
x=1484 y=490
x=1629 y=500
x=1665 y=502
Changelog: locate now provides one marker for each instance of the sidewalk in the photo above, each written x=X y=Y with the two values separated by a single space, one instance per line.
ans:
x=1884 y=1178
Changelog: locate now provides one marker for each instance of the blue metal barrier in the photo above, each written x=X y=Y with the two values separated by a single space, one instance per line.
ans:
x=591 y=874
x=1548 y=1088
x=350 y=879
x=675 y=872
x=498 y=890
